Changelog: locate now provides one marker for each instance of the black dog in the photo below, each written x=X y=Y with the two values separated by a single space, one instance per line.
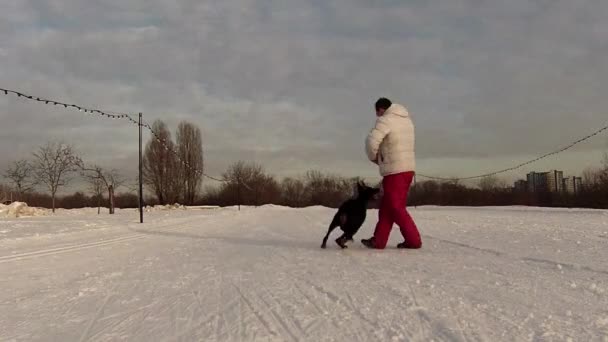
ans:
x=351 y=215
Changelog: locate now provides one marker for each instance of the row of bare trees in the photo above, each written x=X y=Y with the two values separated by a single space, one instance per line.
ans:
x=493 y=191
x=170 y=176
x=249 y=184
x=170 y=169
x=454 y=194
x=244 y=183
x=80 y=199
x=52 y=167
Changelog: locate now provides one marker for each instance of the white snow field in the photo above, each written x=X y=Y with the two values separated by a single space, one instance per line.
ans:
x=199 y=274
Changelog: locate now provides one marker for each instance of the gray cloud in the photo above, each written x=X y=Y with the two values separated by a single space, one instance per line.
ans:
x=291 y=84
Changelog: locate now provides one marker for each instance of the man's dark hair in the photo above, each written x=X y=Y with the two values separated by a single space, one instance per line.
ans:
x=383 y=103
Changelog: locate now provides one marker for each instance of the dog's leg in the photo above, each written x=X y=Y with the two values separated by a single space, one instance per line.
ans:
x=344 y=225
x=349 y=231
x=344 y=239
x=334 y=224
x=341 y=241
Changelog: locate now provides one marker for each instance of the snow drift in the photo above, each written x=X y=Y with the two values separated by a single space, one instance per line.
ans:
x=20 y=209
x=175 y=206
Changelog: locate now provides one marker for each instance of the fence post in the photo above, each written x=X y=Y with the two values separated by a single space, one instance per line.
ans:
x=111 y=195
x=141 y=187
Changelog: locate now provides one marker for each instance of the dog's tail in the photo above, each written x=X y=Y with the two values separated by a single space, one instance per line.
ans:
x=338 y=221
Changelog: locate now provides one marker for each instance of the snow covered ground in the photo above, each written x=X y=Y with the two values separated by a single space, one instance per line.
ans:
x=483 y=274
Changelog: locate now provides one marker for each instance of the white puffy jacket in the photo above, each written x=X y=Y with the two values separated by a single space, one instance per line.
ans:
x=391 y=142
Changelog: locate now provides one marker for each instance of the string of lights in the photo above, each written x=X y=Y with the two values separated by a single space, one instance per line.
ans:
x=522 y=164
x=111 y=115
x=116 y=115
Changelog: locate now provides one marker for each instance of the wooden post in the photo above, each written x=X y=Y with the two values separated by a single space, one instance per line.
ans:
x=111 y=195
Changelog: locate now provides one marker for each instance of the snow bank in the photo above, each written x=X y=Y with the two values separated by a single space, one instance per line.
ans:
x=274 y=206
x=175 y=206
x=204 y=207
x=21 y=209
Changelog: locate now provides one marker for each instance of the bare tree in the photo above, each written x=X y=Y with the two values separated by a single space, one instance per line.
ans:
x=160 y=165
x=248 y=184
x=327 y=189
x=293 y=192
x=190 y=148
x=603 y=177
x=132 y=185
x=107 y=180
x=4 y=193
x=592 y=177
x=21 y=174
x=53 y=163
x=97 y=187
x=113 y=179
x=490 y=183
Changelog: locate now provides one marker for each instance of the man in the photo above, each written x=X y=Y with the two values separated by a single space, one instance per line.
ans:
x=390 y=144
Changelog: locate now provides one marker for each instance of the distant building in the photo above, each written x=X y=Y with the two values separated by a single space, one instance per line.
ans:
x=551 y=181
x=569 y=185
x=555 y=181
x=537 y=181
x=572 y=184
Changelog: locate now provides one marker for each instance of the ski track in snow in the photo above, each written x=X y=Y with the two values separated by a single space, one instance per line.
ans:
x=483 y=274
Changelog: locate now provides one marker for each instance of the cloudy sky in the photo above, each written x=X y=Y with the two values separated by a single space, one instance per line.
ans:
x=291 y=84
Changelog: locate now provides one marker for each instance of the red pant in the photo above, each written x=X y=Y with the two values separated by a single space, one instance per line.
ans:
x=392 y=210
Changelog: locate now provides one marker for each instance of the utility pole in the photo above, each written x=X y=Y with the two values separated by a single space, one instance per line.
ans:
x=141 y=187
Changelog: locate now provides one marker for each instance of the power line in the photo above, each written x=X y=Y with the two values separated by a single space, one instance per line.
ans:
x=111 y=115
x=522 y=164
x=117 y=115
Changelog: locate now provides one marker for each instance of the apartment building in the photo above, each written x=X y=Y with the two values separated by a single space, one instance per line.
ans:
x=537 y=181
x=572 y=184
x=555 y=181
x=551 y=181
